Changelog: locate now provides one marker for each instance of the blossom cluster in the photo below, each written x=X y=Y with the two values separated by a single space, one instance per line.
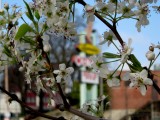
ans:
x=28 y=44
x=115 y=11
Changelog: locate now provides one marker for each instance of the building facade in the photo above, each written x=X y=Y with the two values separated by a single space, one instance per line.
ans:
x=125 y=101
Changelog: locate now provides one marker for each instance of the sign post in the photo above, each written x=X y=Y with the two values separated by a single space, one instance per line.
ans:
x=89 y=79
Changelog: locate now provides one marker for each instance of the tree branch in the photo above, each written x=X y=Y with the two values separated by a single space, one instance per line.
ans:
x=14 y=97
x=114 y=30
x=66 y=104
x=84 y=115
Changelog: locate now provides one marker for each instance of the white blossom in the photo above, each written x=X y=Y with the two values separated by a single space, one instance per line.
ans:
x=39 y=84
x=106 y=8
x=49 y=81
x=125 y=10
x=140 y=80
x=63 y=73
x=6 y=6
x=108 y=37
x=141 y=14
x=126 y=51
x=97 y=63
x=156 y=46
x=112 y=79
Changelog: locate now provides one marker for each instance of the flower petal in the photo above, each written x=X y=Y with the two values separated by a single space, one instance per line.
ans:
x=148 y=81
x=129 y=42
x=115 y=82
x=69 y=70
x=58 y=78
x=143 y=89
x=143 y=73
x=56 y=71
x=62 y=66
x=131 y=84
x=67 y=77
x=103 y=42
x=109 y=82
x=134 y=75
x=103 y=74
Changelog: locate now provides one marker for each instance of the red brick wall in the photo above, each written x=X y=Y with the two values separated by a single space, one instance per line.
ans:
x=123 y=97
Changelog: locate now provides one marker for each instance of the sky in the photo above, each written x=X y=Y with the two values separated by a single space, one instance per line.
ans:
x=140 y=40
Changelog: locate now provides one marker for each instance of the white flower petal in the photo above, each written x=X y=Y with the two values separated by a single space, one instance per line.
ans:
x=115 y=82
x=124 y=58
x=129 y=42
x=69 y=70
x=88 y=8
x=109 y=82
x=131 y=84
x=56 y=71
x=143 y=73
x=148 y=81
x=58 y=78
x=102 y=74
x=103 y=42
x=109 y=42
x=62 y=66
x=134 y=75
x=143 y=90
x=45 y=37
x=67 y=77
x=129 y=51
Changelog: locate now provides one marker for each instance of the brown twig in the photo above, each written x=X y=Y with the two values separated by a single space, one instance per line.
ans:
x=84 y=115
x=66 y=104
x=14 y=97
x=113 y=28
x=150 y=75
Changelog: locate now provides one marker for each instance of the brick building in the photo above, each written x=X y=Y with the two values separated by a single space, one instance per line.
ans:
x=125 y=101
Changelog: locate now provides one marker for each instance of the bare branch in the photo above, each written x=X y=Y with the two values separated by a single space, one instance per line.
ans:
x=14 y=97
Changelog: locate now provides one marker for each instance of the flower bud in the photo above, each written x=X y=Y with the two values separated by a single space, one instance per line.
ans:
x=21 y=69
x=150 y=55
x=1 y=12
x=6 y=6
x=46 y=47
x=151 y=48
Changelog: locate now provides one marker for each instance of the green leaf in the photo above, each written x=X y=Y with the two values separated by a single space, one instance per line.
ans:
x=7 y=51
x=135 y=61
x=132 y=68
x=27 y=40
x=110 y=55
x=29 y=13
x=23 y=29
x=36 y=14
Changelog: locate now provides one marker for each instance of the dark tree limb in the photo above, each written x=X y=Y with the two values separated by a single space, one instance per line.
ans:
x=35 y=112
x=113 y=28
